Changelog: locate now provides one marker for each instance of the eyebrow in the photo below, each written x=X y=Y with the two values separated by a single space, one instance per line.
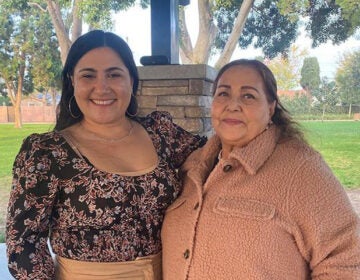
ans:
x=106 y=70
x=243 y=87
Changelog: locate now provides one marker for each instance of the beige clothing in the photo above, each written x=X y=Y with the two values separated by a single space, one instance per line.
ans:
x=271 y=211
x=144 y=268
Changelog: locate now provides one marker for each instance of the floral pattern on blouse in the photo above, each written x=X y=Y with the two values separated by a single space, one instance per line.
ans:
x=88 y=214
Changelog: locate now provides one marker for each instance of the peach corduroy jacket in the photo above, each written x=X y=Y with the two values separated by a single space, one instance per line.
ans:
x=273 y=210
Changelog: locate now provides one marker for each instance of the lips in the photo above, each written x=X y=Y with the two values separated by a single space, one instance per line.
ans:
x=232 y=121
x=103 y=102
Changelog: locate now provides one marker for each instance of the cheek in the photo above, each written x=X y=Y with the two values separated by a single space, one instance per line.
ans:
x=216 y=109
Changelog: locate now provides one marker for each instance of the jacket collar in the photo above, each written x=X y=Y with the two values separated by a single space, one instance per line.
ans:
x=251 y=156
x=256 y=153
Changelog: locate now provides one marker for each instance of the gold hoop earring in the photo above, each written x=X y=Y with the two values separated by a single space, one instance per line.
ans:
x=268 y=125
x=131 y=115
x=71 y=113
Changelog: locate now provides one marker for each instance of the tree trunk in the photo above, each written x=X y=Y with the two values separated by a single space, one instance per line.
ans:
x=17 y=107
x=15 y=101
x=17 y=112
x=60 y=30
x=186 y=49
x=53 y=100
x=350 y=109
x=76 y=30
x=207 y=33
x=235 y=33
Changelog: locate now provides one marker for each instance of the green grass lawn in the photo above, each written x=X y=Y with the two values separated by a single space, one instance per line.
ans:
x=337 y=141
x=10 y=142
x=339 y=144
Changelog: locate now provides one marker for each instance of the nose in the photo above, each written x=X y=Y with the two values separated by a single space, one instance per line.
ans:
x=102 y=83
x=234 y=104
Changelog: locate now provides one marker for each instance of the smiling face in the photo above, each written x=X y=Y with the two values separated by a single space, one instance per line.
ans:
x=102 y=86
x=240 y=110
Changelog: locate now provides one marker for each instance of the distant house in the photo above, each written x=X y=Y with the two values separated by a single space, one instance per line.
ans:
x=292 y=93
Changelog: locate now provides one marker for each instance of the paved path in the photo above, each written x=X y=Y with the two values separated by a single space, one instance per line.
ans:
x=4 y=273
x=354 y=196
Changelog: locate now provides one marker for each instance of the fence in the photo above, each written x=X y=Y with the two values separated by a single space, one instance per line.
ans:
x=29 y=114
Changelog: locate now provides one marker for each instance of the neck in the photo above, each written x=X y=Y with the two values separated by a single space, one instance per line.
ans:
x=225 y=151
x=101 y=137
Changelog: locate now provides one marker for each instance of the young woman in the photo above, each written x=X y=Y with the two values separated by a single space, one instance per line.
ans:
x=99 y=184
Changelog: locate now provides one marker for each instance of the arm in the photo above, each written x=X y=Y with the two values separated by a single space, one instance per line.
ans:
x=329 y=229
x=29 y=211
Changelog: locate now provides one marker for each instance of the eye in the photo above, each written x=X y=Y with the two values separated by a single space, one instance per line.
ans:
x=88 y=75
x=222 y=94
x=248 y=96
x=113 y=75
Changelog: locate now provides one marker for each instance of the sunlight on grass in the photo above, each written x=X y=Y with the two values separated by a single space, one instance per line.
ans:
x=339 y=144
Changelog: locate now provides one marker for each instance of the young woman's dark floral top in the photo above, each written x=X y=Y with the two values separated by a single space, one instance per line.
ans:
x=88 y=214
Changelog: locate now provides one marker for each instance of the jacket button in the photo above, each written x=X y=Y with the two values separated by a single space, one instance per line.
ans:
x=186 y=254
x=227 y=168
x=196 y=206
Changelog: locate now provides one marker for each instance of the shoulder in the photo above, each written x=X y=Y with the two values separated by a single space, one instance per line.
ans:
x=51 y=136
x=156 y=117
x=159 y=122
x=41 y=141
x=298 y=151
x=308 y=169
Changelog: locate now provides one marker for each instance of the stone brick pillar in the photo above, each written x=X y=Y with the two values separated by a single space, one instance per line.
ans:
x=182 y=90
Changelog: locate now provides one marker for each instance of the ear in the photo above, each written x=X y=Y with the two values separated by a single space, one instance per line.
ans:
x=272 y=107
x=72 y=80
x=132 y=84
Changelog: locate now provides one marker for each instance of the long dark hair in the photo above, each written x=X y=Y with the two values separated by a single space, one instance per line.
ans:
x=68 y=110
x=281 y=117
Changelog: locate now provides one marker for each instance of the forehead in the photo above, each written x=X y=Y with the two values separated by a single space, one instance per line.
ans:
x=99 y=57
x=241 y=74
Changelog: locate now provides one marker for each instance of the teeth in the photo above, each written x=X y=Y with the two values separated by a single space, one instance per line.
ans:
x=102 y=102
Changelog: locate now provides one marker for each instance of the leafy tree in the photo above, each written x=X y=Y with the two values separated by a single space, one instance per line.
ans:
x=347 y=79
x=297 y=105
x=326 y=95
x=68 y=17
x=287 y=69
x=15 y=46
x=29 y=55
x=270 y=25
x=351 y=11
x=46 y=63
x=310 y=75
x=328 y=20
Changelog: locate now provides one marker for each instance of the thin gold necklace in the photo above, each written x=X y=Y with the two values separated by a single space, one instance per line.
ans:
x=109 y=140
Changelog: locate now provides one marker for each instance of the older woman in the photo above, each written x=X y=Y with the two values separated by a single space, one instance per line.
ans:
x=258 y=202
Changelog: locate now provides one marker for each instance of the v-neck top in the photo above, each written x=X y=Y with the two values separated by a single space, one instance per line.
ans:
x=92 y=215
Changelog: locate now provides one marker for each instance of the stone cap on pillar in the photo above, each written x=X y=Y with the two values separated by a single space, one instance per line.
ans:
x=176 y=72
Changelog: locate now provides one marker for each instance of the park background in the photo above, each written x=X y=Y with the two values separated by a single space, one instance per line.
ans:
x=331 y=125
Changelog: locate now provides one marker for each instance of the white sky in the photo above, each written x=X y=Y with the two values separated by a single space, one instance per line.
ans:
x=134 y=26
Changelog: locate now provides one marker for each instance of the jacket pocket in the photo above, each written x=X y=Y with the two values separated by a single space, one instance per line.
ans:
x=176 y=204
x=246 y=208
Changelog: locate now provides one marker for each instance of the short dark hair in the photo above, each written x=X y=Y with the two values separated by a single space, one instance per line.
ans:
x=93 y=39
x=281 y=117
